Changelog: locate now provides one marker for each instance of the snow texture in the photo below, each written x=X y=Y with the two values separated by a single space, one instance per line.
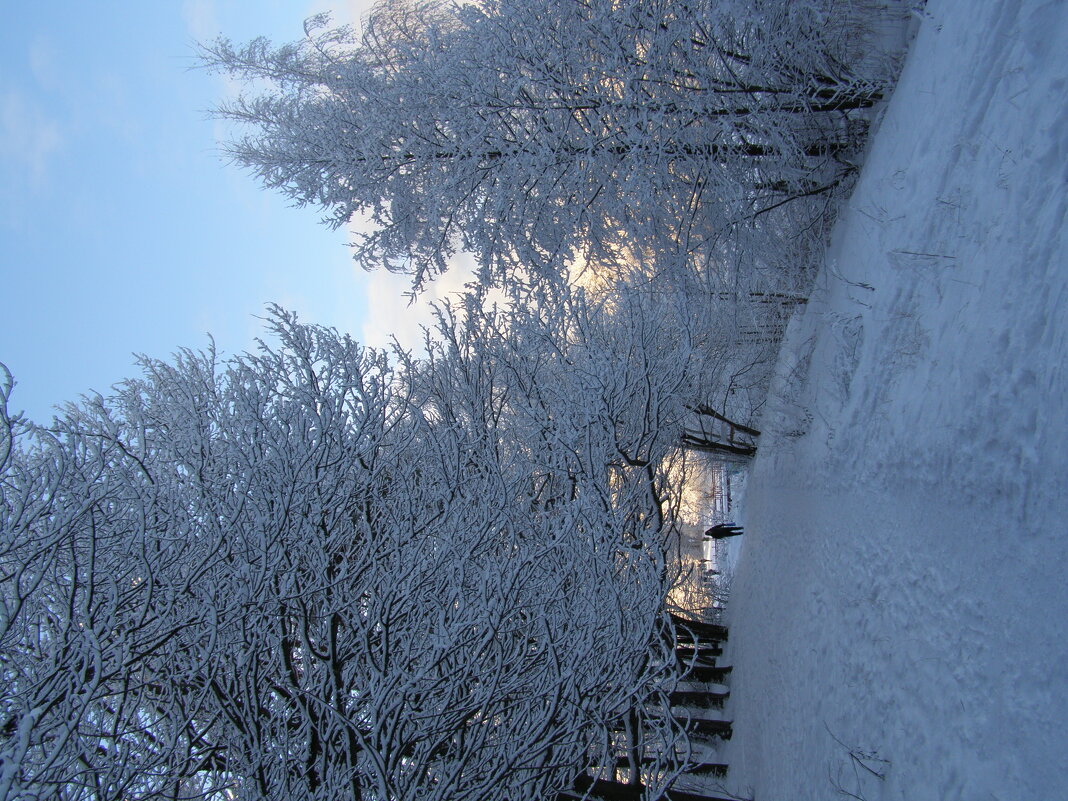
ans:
x=901 y=590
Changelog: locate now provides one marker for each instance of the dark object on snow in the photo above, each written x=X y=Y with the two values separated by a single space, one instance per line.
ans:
x=723 y=530
x=689 y=630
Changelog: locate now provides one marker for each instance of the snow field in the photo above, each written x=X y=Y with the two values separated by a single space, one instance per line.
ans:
x=901 y=589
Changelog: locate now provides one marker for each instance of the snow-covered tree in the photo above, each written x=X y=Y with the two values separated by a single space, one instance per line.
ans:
x=100 y=683
x=532 y=132
x=304 y=573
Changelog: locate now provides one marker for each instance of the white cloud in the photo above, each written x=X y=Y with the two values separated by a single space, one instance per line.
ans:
x=45 y=63
x=28 y=139
x=390 y=312
x=201 y=19
x=342 y=12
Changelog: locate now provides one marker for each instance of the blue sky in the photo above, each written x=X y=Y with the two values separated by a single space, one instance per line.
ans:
x=121 y=228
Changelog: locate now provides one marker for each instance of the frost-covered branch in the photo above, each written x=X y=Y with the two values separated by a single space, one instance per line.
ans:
x=534 y=133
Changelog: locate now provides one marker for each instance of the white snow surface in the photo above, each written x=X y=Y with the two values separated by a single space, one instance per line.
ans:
x=902 y=584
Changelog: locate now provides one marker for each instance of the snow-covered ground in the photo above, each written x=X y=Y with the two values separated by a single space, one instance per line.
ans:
x=902 y=589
